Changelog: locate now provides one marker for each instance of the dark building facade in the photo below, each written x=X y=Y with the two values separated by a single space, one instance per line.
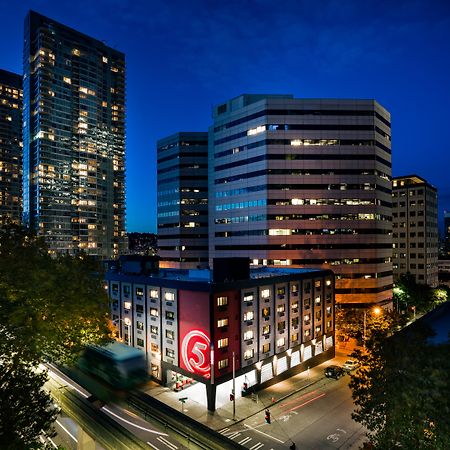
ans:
x=74 y=139
x=415 y=229
x=305 y=183
x=276 y=322
x=10 y=146
x=183 y=200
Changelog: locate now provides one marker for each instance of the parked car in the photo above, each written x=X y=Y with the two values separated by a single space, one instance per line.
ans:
x=334 y=372
x=350 y=365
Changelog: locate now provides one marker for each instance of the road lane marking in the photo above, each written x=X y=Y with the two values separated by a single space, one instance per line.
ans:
x=54 y=374
x=234 y=435
x=153 y=446
x=245 y=440
x=131 y=423
x=67 y=431
x=262 y=432
x=257 y=446
x=51 y=441
x=305 y=403
x=223 y=431
x=166 y=442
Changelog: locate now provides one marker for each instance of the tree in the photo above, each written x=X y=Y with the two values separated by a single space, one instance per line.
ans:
x=26 y=408
x=50 y=307
x=401 y=390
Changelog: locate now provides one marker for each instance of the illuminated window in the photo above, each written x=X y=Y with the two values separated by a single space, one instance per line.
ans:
x=154 y=293
x=170 y=315
x=317 y=300
x=76 y=52
x=294 y=337
x=266 y=330
x=248 y=316
x=67 y=80
x=281 y=308
x=266 y=348
x=140 y=325
x=154 y=312
x=317 y=284
x=222 y=301
x=248 y=335
x=248 y=354
x=139 y=292
x=281 y=326
x=328 y=282
x=170 y=334
x=154 y=347
x=153 y=329
x=104 y=59
x=170 y=353
x=223 y=363
x=265 y=293
x=169 y=296
x=281 y=291
x=265 y=312
x=281 y=342
x=222 y=343
x=295 y=307
x=257 y=130
x=127 y=305
x=221 y=323
x=248 y=297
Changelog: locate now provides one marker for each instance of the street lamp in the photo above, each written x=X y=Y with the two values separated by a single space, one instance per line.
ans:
x=376 y=311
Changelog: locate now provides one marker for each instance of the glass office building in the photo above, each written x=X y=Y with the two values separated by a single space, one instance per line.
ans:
x=74 y=139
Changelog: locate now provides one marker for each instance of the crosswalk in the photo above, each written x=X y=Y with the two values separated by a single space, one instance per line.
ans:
x=237 y=436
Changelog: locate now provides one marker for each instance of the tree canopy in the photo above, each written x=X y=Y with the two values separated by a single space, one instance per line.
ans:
x=51 y=307
x=402 y=390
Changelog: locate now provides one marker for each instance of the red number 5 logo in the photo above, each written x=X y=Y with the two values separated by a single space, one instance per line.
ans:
x=194 y=351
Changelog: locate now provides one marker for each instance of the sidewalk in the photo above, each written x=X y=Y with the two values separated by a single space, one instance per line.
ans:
x=245 y=406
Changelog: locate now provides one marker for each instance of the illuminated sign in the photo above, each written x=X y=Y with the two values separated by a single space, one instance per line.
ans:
x=194 y=352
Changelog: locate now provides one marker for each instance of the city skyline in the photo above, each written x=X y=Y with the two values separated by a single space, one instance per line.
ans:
x=189 y=59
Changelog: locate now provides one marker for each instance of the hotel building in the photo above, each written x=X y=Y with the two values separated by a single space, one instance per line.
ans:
x=305 y=183
x=415 y=229
x=183 y=200
x=74 y=139
x=10 y=146
x=276 y=322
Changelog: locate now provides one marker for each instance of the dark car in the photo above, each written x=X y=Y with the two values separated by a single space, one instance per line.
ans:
x=334 y=372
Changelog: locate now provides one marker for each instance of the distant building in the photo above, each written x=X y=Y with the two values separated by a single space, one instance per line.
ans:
x=415 y=229
x=305 y=183
x=10 y=146
x=447 y=234
x=276 y=321
x=74 y=139
x=142 y=243
x=183 y=200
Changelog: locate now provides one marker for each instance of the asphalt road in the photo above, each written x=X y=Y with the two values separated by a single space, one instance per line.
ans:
x=316 y=418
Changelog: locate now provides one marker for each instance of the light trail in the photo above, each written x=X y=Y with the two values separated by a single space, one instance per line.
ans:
x=305 y=403
x=299 y=398
x=67 y=431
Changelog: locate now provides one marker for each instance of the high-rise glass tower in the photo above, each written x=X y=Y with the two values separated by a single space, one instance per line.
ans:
x=305 y=183
x=10 y=146
x=74 y=139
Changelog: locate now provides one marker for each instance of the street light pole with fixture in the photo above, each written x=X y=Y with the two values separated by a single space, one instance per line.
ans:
x=376 y=311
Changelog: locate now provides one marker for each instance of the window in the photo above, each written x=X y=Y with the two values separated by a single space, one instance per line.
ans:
x=318 y=329
x=223 y=363
x=307 y=332
x=139 y=309
x=295 y=307
x=67 y=80
x=248 y=316
x=265 y=312
x=295 y=322
x=115 y=288
x=317 y=284
x=139 y=292
x=154 y=312
x=281 y=308
x=248 y=335
x=221 y=323
x=328 y=282
x=170 y=334
x=281 y=291
x=222 y=343
x=294 y=337
x=294 y=289
x=140 y=325
x=266 y=348
x=281 y=326
x=127 y=305
x=317 y=300
x=170 y=315
x=248 y=354
x=307 y=287
x=153 y=293
x=248 y=297
x=318 y=315
x=281 y=342
x=222 y=301
x=153 y=329
x=307 y=318
x=154 y=347
x=307 y=303
x=126 y=291
x=140 y=342
x=170 y=353
x=328 y=310
x=169 y=296
x=265 y=293
x=266 y=330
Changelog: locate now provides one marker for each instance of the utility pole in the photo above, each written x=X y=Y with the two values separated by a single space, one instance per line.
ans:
x=364 y=332
x=234 y=388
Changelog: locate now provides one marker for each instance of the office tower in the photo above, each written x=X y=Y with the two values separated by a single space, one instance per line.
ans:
x=447 y=234
x=10 y=146
x=415 y=229
x=183 y=200
x=305 y=183
x=74 y=139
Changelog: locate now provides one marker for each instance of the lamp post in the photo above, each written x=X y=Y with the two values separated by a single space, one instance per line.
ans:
x=234 y=388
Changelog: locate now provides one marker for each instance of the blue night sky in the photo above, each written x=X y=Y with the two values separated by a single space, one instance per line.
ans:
x=185 y=56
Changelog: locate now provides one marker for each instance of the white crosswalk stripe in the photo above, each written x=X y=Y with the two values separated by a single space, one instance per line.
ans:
x=245 y=440
x=234 y=435
x=224 y=430
x=257 y=446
